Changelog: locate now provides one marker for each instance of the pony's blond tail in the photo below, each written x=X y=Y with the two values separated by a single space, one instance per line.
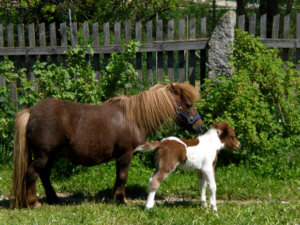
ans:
x=20 y=159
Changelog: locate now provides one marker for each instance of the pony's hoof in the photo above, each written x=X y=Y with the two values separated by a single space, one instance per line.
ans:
x=37 y=204
x=53 y=201
x=120 y=199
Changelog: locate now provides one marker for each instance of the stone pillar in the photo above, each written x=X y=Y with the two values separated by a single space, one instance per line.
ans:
x=219 y=47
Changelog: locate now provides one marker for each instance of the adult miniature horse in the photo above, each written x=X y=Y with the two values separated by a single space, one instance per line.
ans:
x=92 y=134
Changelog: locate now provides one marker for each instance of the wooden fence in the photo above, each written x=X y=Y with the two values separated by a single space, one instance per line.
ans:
x=162 y=54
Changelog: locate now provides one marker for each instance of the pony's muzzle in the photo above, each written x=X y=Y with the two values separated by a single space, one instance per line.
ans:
x=198 y=128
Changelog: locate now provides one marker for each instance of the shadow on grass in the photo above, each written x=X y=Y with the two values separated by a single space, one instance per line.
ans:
x=133 y=192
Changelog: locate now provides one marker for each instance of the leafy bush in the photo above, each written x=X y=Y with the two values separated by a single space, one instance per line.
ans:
x=120 y=76
x=261 y=102
x=76 y=82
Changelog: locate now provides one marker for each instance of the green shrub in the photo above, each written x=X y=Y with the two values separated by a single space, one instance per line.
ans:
x=75 y=82
x=261 y=102
x=120 y=76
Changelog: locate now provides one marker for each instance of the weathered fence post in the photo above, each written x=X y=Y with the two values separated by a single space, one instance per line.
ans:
x=298 y=37
x=2 y=80
x=219 y=47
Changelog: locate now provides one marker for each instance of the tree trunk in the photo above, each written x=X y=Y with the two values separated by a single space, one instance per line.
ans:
x=241 y=7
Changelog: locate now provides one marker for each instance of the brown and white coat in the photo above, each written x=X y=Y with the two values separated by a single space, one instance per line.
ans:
x=199 y=155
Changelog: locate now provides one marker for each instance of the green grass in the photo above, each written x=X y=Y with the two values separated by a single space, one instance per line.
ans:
x=243 y=198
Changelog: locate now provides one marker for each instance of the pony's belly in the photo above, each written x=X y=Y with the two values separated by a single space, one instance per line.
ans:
x=86 y=157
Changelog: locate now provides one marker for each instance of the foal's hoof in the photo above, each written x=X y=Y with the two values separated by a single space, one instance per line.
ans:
x=204 y=204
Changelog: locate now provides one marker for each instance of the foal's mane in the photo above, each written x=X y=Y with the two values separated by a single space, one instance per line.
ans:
x=150 y=109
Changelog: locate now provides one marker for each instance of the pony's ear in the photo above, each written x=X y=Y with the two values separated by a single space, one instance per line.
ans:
x=215 y=124
x=173 y=89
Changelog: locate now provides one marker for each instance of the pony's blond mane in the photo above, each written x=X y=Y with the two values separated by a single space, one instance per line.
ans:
x=151 y=108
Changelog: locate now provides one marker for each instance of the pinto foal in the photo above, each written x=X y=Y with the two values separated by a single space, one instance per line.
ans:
x=199 y=155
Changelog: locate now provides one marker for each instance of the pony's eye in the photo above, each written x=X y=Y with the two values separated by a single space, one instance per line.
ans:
x=188 y=105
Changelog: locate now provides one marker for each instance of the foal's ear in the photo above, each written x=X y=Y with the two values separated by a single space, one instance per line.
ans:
x=215 y=124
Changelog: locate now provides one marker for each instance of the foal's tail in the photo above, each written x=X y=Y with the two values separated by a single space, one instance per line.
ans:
x=148 y=147
x=20 y=159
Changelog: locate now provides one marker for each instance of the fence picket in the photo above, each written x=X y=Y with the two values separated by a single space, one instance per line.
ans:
x=203 y=58
x=21 y=36
x=252 y=24
x=181 y=33
x=170 y=53
x=192 y=61
x=1 y=36
x=106 y=39
x=138 y=37
x=286 y=27
x=10 y=35
x=275 y=27
x=127 y=31
x=63 y=35
x=117 y=33
x=160 y=57
x=52 y=30
x=74 y=36
x=149 y=33
x=298 y=37
x=96 y=58
x=42 y=35
x=85 y=31
x=241 y=22
x=263 y=26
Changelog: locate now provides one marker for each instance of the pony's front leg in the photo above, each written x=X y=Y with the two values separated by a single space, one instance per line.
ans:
x=209 y=174
x=123 y=163
x=202 y=184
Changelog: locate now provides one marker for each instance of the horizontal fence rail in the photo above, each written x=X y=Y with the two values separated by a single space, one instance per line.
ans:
x=160 y=50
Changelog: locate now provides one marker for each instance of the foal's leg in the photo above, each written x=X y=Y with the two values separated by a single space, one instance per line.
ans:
x=203 y=184
x=156 y=179
x=123 y=163
x=45 y=178
x=209 y=175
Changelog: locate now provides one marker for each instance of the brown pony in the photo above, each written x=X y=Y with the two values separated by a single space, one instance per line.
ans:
x=92 y=134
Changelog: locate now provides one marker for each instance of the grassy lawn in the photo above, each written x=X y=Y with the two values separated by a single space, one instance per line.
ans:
x=86 y=196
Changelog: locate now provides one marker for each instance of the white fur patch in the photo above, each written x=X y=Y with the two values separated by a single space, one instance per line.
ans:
x=203 y=154
x=172 y=138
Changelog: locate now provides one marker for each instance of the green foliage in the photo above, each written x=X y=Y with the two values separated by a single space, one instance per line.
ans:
x=120 y=76
x=7 y=108
x=261 y=102
x=76 y=81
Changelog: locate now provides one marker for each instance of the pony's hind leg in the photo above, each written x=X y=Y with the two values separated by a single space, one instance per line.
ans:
x=122 y=164
x=32 y=175
x=45 y=178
